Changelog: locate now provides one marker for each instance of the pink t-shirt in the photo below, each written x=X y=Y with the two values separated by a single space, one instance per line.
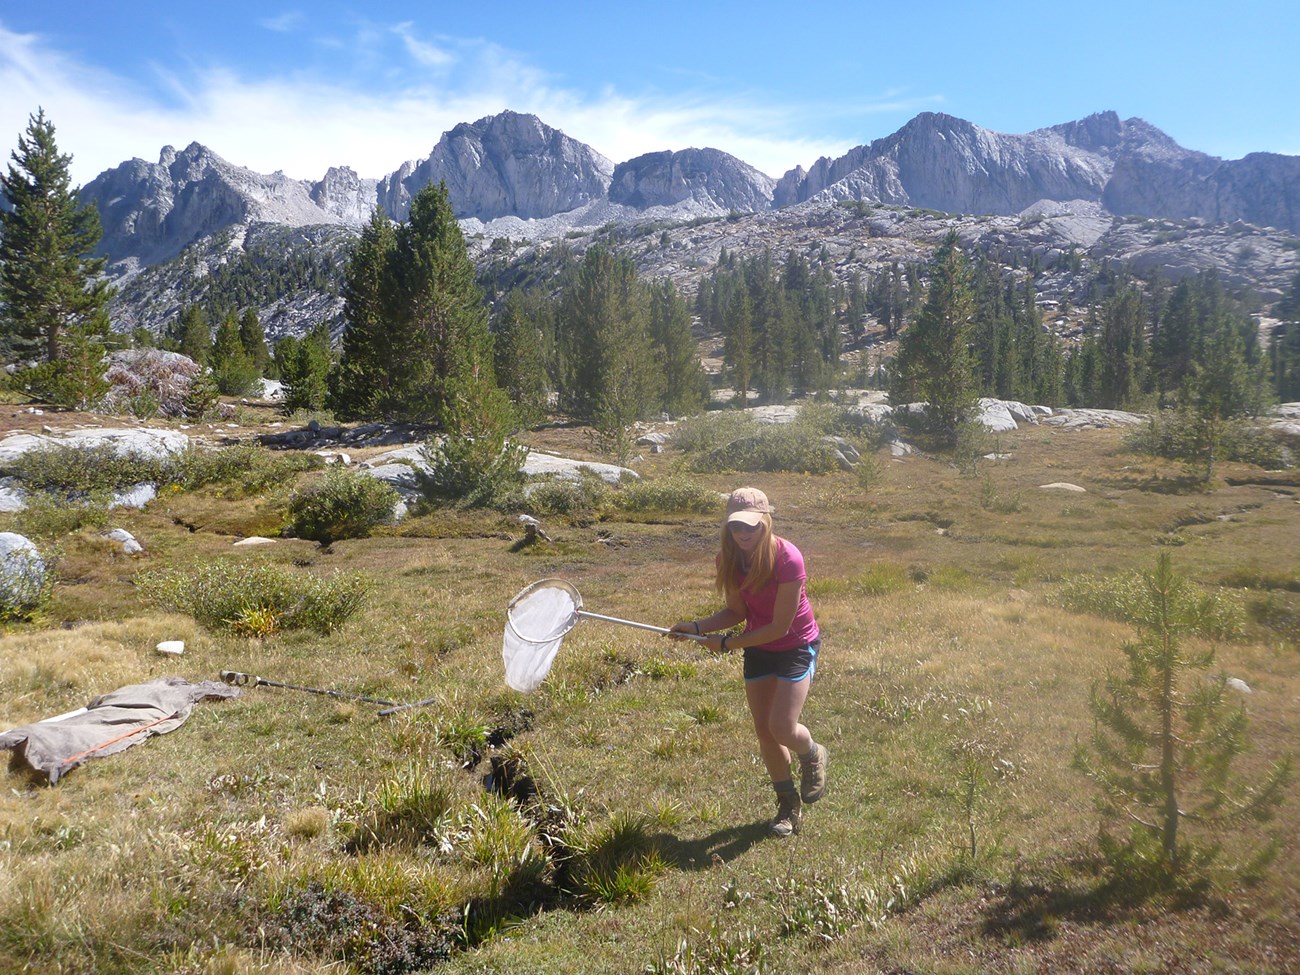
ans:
x=760 y=605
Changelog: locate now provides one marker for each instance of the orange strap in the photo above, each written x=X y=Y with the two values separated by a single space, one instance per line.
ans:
x=127 y=734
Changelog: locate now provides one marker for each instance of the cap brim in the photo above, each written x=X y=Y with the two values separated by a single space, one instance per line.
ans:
x=751 y=518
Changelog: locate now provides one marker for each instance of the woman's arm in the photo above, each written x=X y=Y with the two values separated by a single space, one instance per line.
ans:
x=787 y=604
x=724 y=619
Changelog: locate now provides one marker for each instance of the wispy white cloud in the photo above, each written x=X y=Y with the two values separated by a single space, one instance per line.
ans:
x=283 y=23
x=424 y=52
x=302 y=124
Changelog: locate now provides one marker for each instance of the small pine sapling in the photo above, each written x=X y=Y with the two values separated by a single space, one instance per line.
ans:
x=1166 y=736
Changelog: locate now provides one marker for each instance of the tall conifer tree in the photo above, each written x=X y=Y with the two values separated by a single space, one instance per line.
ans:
x=253 y=339
x=522 y=353
x=605 y=342
x=49 y=284
x=363 y=383
x=934 y=361
x=685 y=388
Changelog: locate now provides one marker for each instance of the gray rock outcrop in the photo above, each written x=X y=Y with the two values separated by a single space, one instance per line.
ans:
x=144 y=442
x=703 y=176
x=22 y=572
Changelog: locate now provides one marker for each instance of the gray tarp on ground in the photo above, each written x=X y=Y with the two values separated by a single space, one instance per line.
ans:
x=110 y=723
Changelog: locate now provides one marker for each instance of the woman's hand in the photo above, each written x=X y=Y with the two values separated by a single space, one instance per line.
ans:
x=683 y=626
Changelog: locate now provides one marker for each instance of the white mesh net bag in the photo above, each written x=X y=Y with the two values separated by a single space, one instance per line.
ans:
x=536 y=621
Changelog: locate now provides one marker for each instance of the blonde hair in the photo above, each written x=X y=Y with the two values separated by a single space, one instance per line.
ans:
x=761 y=566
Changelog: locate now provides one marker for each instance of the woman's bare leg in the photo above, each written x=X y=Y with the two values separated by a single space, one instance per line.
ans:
x=775 y=706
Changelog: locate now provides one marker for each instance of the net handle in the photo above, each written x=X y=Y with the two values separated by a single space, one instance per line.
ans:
x=583 y=614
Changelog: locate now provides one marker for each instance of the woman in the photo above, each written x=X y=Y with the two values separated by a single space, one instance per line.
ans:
x=762 y=577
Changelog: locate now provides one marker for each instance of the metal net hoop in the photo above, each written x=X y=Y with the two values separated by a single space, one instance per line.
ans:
x=537 y=619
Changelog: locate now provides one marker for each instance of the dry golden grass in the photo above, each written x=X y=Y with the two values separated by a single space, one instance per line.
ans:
x=944 y=639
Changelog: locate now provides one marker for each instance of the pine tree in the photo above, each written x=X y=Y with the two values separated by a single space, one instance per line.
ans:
x=416 y=322
x=855 y=311
x=521 y=354
x=304 y=366
x=370 y=375
x=685 y=387
x=1223 y=385
x=1284 y=361
x=773 y=331
x=48 y=282
x=1174 y=341
x=1083 y=373
x=934 y=362
x=1165 y=735
x=194 y=335
x=738 y=346
x=474 y=463
x=1284 y=346
x=438 y=332
x=610 y=376
x=232 y=369
x=1123 y=349
x=253 y=340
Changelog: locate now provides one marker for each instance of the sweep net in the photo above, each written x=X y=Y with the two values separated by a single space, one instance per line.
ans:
x=536 y=621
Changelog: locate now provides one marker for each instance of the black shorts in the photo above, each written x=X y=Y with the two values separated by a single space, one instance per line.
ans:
x=792 y=665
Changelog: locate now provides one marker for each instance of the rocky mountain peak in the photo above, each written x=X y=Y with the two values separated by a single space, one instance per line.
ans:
x=344 y=194
x=1099 y=132
x=713 y=180
x=151 y=211
x=509 y=164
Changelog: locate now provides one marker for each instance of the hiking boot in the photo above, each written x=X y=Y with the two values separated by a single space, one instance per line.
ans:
x=786 y=820
x=812 y=774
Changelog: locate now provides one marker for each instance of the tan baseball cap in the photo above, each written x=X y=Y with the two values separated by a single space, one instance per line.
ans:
x=747 y=505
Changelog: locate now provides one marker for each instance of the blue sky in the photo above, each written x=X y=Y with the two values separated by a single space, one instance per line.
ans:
x=300 y=87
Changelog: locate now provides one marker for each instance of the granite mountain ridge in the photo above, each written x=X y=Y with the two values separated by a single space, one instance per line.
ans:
x=511 y=174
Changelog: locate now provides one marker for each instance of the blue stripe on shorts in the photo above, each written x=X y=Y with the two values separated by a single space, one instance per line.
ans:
x=792 y=665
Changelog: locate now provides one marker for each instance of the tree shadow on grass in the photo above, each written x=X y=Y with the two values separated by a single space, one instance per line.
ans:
x=720 y=846
x=1030 y=910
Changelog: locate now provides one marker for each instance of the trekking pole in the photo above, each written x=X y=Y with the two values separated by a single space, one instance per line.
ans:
x=240 y=680
x=402 y=707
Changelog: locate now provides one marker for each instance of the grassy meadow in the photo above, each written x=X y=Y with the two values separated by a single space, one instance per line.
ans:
x=288 y=832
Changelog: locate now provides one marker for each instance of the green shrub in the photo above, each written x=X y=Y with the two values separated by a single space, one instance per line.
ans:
x=49 y=517
x=709 y=431
x=1179 y=435
x=337 y=923
x=1217 y=614
x=78 y=471
x=344 y=504
x=472 y=472
x=229 y=593
x=671 y=494
x=585 y=496
x=776 y=447
x=237 y=376
x=251 y=466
